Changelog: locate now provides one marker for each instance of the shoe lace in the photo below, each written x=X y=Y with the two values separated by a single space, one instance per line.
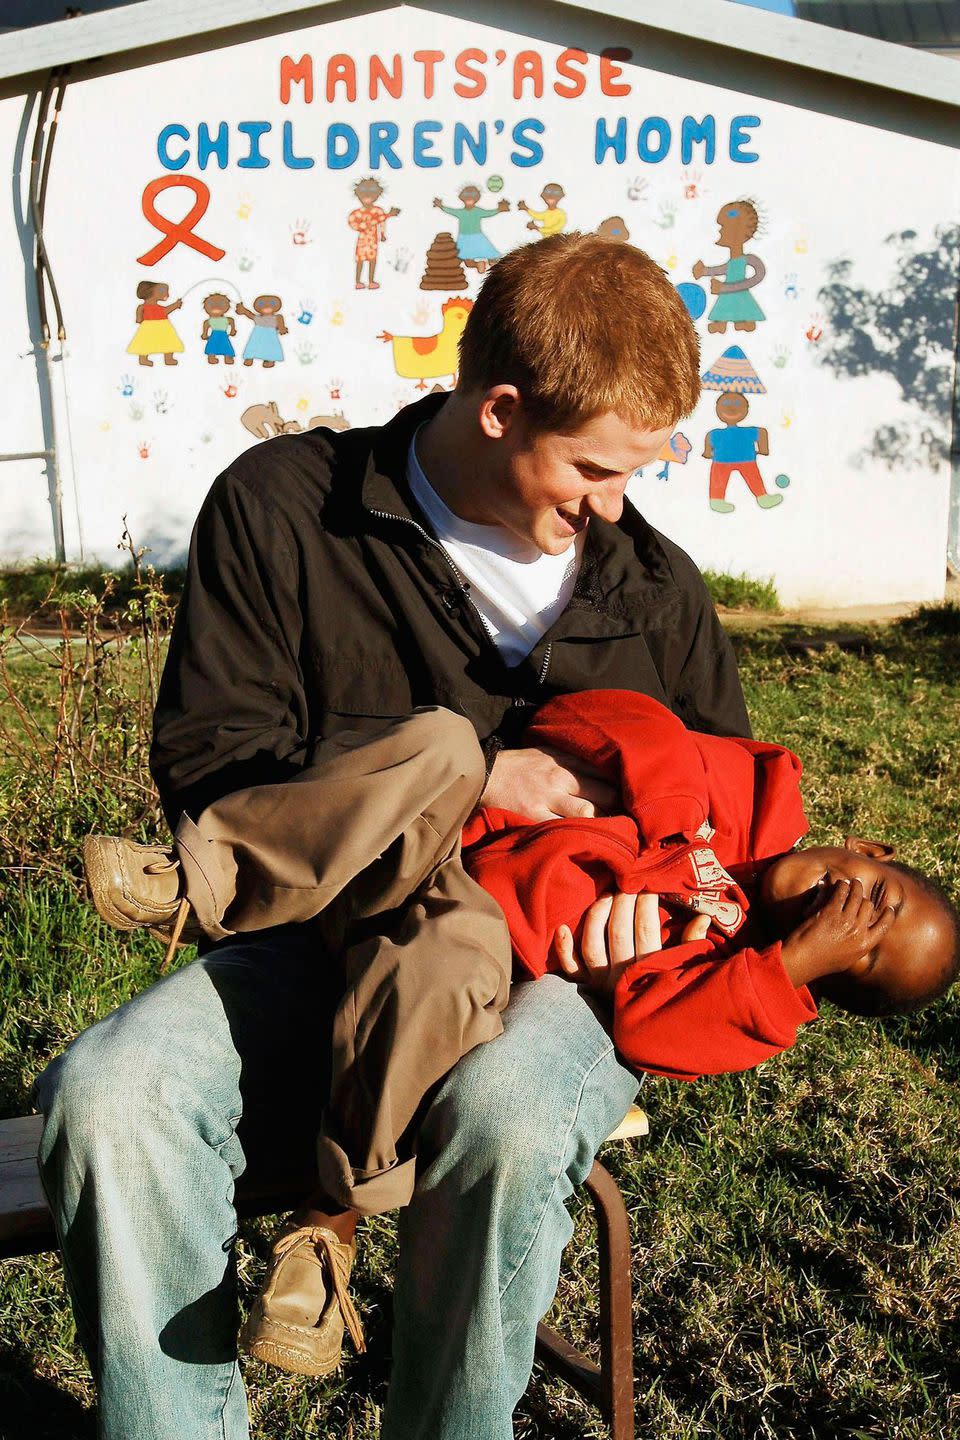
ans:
x=330 y=1249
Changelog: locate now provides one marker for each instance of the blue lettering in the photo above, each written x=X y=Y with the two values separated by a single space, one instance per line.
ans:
x=341 y=159
x=739 y=140
x=653 y=125
x=698 y=132
x=384 y=134
x=292 y=161
x=520 y=137
x=254 y=131
x=207 y=147
x=166 y=159
x=617 y=142
x=477 y=147
x=422 y=144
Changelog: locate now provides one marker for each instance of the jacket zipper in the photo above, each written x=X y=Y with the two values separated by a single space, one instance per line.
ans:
x=404 y=520
x=530 y=836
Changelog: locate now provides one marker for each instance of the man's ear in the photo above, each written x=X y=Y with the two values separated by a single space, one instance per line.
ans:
x=873 y=849
x=499 y=409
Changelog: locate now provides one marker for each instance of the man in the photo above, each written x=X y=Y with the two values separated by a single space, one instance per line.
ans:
x=477 y=554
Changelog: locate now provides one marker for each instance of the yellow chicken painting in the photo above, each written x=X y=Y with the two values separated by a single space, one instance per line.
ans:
x=429 y=357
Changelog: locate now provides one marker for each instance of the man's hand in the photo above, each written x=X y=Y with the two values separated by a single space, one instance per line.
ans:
x=616 y=930
x=548 y=785
x=837 y=934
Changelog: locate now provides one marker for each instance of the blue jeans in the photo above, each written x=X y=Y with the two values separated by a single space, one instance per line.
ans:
x=153 y=1113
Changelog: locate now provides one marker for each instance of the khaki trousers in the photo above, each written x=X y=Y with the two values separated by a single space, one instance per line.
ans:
x=366 y=843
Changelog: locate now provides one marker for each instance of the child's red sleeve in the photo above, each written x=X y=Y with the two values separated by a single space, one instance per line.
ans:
x=687 y=1011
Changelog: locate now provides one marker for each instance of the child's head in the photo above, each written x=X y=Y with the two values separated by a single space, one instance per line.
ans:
x=267 y=304
x=738 y=221
x=583 y=326
x=918 y=958
x=732 y=408
x=216 y=304
x=152 y=290
x=552 y=194
x=470 y=195
x=368 y=190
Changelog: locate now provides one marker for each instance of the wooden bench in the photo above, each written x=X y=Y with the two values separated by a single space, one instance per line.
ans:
x=26 y=1228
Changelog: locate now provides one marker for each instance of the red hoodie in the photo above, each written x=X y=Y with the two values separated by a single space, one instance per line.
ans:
x=695 y=804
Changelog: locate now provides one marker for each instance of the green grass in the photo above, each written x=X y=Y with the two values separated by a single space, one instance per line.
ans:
x=742 y=592
x=796 y=1230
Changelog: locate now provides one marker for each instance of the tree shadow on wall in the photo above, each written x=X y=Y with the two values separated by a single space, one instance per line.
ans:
x=904 y=330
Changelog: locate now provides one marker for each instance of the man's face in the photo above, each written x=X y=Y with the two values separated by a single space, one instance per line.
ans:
x=548 y=485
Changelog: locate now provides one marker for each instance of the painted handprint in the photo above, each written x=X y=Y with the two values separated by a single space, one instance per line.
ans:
x=668 y=215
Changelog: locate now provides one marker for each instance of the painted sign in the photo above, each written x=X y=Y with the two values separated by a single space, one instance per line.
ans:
x=291 y=231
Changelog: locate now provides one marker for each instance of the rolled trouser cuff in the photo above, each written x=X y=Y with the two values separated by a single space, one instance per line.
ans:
x=370 y=1192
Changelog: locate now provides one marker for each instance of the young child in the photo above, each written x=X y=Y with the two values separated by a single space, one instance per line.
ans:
x=710 y=827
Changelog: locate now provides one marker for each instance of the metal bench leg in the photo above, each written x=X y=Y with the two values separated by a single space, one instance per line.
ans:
x=616 y=1310
x=609 y=1387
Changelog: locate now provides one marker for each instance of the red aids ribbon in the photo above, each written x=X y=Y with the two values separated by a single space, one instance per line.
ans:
x=177 y=232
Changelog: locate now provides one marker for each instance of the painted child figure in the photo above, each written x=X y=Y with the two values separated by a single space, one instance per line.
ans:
x=552 y=219
x=735 y=448
x=370 y=222
x=155 y=334
x=263 y=343
x=473 y=247
x=735 y=278
x=218 y=330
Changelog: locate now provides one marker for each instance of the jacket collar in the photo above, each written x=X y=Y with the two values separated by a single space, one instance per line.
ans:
x=385 y=489
x=625 y=578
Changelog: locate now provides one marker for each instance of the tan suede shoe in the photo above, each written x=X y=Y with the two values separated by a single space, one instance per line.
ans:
x=298 y=1319
x=133 y=885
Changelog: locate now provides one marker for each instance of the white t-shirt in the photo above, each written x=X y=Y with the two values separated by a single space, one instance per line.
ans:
x=518 y=590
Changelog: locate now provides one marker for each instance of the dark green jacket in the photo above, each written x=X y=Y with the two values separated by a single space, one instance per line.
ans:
x=316 y=601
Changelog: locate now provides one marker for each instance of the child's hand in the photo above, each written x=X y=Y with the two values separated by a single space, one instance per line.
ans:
x=839 y=933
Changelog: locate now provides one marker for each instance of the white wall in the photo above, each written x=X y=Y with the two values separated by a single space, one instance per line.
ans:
x=850 y=529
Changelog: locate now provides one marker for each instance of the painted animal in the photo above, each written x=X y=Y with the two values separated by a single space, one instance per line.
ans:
x=265 y=421
x=428 y=357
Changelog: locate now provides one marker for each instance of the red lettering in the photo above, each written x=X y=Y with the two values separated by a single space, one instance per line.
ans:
x=296 y=72
x=527 y=66
x=429 y=59
x=468 y=65
x=577 y=79
x=610 y=71
x=341 y=71
x=391 y=80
